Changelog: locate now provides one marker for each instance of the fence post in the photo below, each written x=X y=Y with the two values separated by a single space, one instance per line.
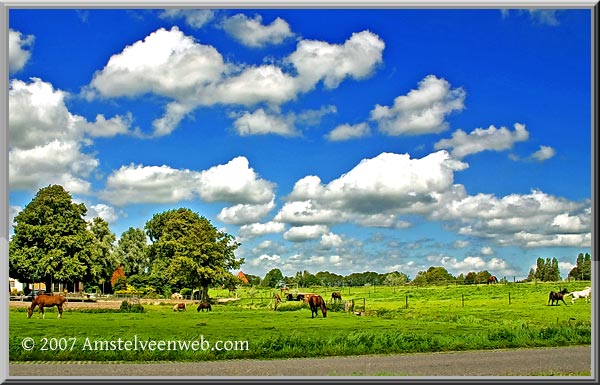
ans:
x=509 y=297
x=463 y=300
x=407 y=301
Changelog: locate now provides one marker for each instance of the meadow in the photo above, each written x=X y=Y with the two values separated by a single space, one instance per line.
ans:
x=395 y=320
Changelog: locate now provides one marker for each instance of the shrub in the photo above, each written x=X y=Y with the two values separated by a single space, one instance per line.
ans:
x=127 y=307
x=185 y=292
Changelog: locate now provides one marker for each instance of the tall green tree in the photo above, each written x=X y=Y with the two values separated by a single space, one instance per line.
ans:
x=51 y=242
x=583 y=268
x=395 y=278
x=272 y=278
x=104 y=258
x=188 y=250
x=132 y=251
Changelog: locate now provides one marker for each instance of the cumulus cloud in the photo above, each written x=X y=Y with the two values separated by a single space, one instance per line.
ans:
x=41 y=127
x=196 y=18
x=18 y=50
x=497 y=266
x=106 y=212
x=527 y=220
x=233 y=182
x=175 y=66
x=490 y=139
x=305 y=233
x=251 y=31
x=259 y=229
x=331 y=240
x=245 y=213
x=317 y=60
x=347 y=131
x=259 y=123
x=374 y=192
x=544 y=153
x=421 y=111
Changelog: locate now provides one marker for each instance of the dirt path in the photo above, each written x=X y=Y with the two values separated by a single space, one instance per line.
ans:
x=510 y=362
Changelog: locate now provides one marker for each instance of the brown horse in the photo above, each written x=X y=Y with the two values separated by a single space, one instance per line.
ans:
x=557 y=296
x=492 y=279
x=45 y=300
x=179 y=307
x=315 y=302
x=204 y=305
x=336 y=296
x=277 y=300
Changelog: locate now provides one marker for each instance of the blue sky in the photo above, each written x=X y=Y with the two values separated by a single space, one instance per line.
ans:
x=324 y=140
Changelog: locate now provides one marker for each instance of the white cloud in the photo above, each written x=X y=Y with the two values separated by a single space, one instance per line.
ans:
x=196 y=18
x=317 y=60
x=166 y=63
x=486 y=250
x=233 y=182
x=544 y=153
x=252 y=33
x=544 y=16
x=259 y=229
x=421 y=111
x=108 y=213
x=245 y=213
x=172 y=65
x=347 y=131
x=496 y=266
x=492 y=138
x=305 y=233
x=331 y=240
x=18 y=53
x=260 y=123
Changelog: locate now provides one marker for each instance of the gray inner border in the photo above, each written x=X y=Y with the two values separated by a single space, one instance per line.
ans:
x=5 y=6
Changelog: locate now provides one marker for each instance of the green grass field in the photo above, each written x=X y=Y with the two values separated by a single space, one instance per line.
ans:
x=436 y=319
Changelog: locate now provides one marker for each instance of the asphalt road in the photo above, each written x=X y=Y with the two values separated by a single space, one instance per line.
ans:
x=510 y=362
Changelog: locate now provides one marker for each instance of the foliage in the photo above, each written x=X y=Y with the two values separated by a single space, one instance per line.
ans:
x=546 y=271
x=132 y=251
x=187 y=250
x=583 y=269
x=395 y=278
x=103 y=254
x=127 y=307
x=433 y=276
x=51 y=241
x=272 y=278
x=118 y=279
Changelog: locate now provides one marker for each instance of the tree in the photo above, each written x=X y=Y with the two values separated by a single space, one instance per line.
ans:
x=395 y=278
x=189 y=251
x=272 y=278
x=583 y=268
x=118 y=281
x=104 y=258
x=51 y=242
x=132 y=251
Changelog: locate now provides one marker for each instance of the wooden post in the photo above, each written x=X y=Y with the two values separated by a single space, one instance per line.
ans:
x=407 y=301
x=463 y=300
x=509 y=298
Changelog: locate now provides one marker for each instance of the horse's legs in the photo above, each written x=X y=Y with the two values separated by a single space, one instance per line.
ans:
x=41 y=310
x=59 y=307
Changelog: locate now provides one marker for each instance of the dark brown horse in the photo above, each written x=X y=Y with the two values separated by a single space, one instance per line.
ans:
x=204 y=305
x=336 y=296
x=45 y=300
x=315 y=302
x=557 y=296
x=492 y=279
x=179 y=307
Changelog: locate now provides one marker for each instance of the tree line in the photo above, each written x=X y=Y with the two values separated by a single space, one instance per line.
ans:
x=177 y=249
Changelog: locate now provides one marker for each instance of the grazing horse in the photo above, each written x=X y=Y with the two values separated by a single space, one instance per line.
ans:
x=45 y=300
x=336 y=296
x=315 y=302
x=290 y=297
x=300 y=297
x=557 y=296
x=204 y=305
x=585 y=293
x=492 y=279
x=179 y=307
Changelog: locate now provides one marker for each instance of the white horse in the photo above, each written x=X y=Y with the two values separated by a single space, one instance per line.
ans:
x=585 y=293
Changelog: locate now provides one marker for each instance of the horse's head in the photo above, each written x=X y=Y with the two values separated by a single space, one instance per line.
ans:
x=564 y=291
x=29 y=311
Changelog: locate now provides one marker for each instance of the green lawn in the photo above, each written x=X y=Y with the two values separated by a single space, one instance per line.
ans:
x=436 y=319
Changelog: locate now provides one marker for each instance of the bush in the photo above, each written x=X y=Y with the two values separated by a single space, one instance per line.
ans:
x=127 y=307
x=185 y=292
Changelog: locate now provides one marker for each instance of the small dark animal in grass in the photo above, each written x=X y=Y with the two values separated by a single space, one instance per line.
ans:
x=300 y=297
x=336 y=296
x=290 y=297
x=204 y=305
x=492 y=279
x=179 y=307
x=557 y=296
x=315 y=302
x=45 y=300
